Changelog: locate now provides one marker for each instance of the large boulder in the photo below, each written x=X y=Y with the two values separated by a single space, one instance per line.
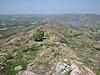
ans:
x=61 y=68
x=75 y=72
x=75 y=69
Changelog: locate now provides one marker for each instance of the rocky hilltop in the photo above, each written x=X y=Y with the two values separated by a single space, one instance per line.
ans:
x=63 y=50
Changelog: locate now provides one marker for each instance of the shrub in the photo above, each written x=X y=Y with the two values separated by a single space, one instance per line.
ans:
x=38 y=36
x=97 y=48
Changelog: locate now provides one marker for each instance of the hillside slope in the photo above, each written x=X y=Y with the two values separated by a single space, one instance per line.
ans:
x=64 y=51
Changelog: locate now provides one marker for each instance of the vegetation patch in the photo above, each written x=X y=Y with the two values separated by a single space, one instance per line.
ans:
x=38 y=36
x=22 y=58
x=97 y=48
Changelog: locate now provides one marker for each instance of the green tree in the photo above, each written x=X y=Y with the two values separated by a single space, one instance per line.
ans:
x=38 y=36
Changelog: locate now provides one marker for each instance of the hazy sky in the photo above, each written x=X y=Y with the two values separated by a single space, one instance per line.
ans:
x=49 y=6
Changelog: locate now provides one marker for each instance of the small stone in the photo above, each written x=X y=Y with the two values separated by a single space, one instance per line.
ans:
x=64 y=44
x=18 y=68
x=65 y=59
x=57 y=42
x=65 y=64
x=19 y=73
x=41 y=54
x=63 y=71
x=31 y=66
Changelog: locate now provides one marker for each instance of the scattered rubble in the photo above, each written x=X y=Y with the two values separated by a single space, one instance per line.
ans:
x=28 y=71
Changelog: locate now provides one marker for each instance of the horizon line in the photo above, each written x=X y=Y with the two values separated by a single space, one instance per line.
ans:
x=45 y=13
